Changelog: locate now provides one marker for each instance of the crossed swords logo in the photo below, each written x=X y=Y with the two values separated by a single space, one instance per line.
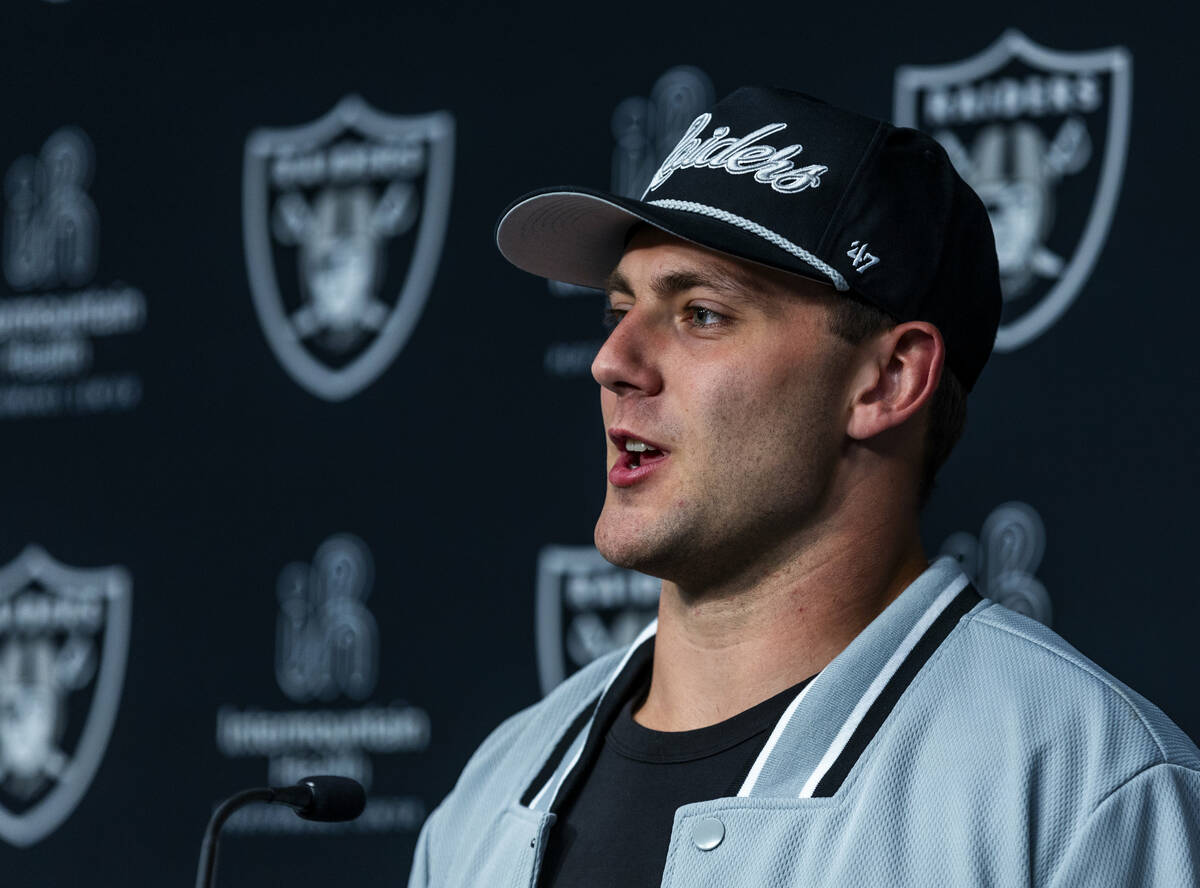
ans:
x=1014 y=170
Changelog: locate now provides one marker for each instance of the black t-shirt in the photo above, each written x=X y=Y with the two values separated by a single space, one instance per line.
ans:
x=615 y=827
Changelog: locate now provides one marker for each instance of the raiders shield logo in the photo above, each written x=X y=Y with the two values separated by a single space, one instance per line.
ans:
x=344 y=220
x=64 y=639
x=1041 y=135
x=586 y=608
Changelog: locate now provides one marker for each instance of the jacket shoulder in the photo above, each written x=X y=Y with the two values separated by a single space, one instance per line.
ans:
x=1060 y=688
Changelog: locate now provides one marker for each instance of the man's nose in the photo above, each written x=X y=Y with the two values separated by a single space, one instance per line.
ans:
x=628 y=362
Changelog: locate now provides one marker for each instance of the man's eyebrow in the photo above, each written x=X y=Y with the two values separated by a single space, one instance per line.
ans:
x=672 y=282
x=618 y=283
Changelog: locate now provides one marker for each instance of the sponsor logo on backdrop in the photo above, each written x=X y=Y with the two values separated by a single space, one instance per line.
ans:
x=64 y=641
x=1003 y=560
x=644 y=129
x=54 y=316
x=344 y=220
x=586 y=608
x=327 y=661
x=1041 y=135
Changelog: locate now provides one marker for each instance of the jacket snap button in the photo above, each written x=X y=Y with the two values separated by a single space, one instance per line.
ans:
x=708 y=833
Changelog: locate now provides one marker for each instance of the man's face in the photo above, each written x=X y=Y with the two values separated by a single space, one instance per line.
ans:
x=730 y=375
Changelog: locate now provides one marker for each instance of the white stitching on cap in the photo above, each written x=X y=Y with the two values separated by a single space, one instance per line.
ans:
x=722 y=151
x=754 y=228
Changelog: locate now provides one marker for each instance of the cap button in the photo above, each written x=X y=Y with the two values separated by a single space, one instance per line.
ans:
x=708 y=833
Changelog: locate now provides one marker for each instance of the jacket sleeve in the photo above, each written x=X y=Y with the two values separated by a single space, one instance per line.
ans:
x=1146 y=832
x=420 y=875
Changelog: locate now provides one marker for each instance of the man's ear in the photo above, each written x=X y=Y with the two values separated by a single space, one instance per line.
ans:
x=899 y=374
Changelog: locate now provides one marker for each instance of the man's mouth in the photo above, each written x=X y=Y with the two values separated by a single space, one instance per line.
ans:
x=636 y=458
x=636 y=451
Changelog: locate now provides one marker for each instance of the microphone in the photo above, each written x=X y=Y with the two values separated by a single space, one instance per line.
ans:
x=325 y=799
x=322 y=798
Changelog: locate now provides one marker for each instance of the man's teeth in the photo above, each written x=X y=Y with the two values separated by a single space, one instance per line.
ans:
x=636 y=446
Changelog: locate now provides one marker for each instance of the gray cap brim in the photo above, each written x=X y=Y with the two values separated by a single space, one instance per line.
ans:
x=577 y=236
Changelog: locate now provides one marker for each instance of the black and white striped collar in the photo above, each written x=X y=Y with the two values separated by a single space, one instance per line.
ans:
x=827 y=727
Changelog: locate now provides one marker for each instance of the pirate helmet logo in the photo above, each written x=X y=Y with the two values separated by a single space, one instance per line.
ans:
x=1041 y=136
x=64 y=640
x=344 y=220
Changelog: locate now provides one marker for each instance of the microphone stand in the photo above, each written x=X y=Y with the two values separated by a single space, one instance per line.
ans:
x=208 y=847
x=322 y=798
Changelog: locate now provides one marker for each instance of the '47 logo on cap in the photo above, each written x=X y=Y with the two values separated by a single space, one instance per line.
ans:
x=862 y=259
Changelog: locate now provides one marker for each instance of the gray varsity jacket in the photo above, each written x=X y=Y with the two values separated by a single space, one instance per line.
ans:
x=953 y=742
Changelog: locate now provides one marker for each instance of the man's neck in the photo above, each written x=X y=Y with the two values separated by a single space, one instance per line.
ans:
x=718 y=655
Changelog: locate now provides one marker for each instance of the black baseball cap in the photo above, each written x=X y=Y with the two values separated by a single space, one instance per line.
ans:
x=788 y=181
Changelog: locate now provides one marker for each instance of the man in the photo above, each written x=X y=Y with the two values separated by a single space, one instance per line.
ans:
x=801 y=300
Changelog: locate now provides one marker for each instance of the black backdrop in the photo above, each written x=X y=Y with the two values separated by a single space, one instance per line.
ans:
x=165 y=436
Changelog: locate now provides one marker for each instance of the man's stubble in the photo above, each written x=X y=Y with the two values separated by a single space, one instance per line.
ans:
x=750 y=480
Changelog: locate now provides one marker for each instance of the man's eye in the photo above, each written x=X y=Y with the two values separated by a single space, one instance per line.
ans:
x=612 y=316
x=704 y=317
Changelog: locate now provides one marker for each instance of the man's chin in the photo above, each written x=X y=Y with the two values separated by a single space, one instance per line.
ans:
x=629 y=546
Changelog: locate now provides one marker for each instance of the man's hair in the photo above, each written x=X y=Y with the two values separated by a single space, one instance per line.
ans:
x=855 y=321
